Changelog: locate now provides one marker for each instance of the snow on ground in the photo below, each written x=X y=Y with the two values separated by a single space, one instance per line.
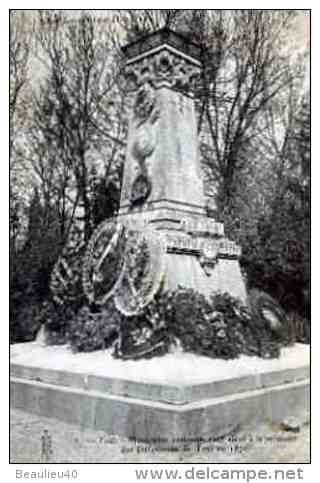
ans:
x=174 y=368
x=260 y=443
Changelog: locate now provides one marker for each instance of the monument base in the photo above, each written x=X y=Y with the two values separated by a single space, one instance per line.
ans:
x=198 y=255
x=176 y=396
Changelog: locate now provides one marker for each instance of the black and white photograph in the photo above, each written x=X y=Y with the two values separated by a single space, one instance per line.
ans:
x=160 y=238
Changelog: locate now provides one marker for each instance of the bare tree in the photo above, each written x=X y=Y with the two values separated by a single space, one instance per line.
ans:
x=136 y=23
x=19 y=60
x=78 y=110
x=245 y=71
x=20 y=53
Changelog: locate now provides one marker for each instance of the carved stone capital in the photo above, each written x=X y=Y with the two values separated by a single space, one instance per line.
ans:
x=164 y=68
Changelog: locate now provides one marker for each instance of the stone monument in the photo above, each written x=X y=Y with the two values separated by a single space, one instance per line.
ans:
x=179 y=395
x=162 y=191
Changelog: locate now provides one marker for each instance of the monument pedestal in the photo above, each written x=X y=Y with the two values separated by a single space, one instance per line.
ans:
x=197 y=254
x=175 y=396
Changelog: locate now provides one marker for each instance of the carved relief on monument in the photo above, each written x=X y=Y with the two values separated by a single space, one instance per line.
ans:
x=208 y=259
x=146 y=113
x=199 y=226
x=182 y=243
x=166 y=68
x=141 y=189
x=145 y=106
x=207 y=250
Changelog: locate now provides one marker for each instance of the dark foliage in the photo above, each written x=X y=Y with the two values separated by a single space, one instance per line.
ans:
x=91 y=330
x=220 y=328
x=56 y=320
x=30 y=270
x=299 y=328
x=25 y=320
x=277 y=258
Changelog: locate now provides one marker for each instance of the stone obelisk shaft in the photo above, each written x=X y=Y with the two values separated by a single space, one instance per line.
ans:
x=162 y=187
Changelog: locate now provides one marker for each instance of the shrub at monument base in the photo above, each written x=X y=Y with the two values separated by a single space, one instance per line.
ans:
x=219 y=328
x=90 y=331
x=56 y=320
x=25 y=322
x=299 y=328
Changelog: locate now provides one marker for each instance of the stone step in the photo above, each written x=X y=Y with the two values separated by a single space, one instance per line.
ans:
x=171 y=394
x=176 y=395
x=144 y=420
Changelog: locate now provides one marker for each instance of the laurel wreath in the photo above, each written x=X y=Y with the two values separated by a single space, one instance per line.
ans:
x=105 y=247
x=65 y=279
x=143 y=272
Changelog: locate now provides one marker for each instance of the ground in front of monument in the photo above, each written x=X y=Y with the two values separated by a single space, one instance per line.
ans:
x=59 y=430
x=263 y=443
